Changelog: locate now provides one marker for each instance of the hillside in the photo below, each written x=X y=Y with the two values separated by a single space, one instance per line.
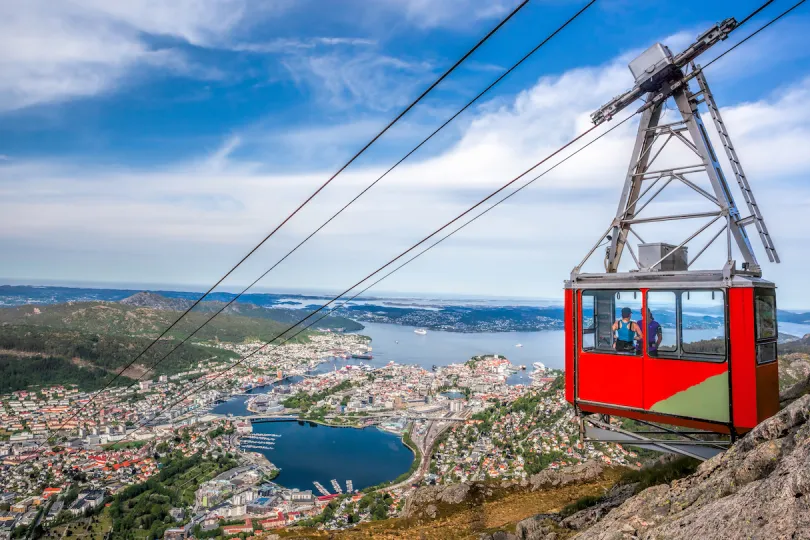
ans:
x=281 y=315
x=83 y=342
x=35 y=356
x=122 y=319
x=760 y=488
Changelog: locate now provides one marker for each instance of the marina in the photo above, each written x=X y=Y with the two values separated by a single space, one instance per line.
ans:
x=310 y=455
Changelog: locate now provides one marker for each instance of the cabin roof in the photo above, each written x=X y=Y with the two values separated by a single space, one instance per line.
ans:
x=666 y=280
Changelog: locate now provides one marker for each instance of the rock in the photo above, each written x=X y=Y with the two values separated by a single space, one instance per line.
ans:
x=499 y=535
x=581 y=472
x=423 y=501
x=538 y=527
x=588 y=516
x=430 y=511
x=760 y=488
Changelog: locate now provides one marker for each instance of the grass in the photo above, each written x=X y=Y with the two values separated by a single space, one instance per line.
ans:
x=488 y=510
x=580 y=504
x=660 y=473
x=125 y=445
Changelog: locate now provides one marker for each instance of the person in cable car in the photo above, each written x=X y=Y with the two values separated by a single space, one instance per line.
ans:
x=626 y=332
x=655 y=334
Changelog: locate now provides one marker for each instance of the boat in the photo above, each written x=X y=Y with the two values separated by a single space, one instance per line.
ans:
x=539 y=366
x=420 y=331
x=519 y=345
x=363 y=353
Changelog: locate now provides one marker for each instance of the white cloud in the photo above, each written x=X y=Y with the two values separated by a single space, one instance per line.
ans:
x=432 y=14
x=189 y=223
x=53 y=51
x=369 y=79
x=297 y=45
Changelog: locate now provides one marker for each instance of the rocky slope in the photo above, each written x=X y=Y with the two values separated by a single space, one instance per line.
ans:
x=760 y=488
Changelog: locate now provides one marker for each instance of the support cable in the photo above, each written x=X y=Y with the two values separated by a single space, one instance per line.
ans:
x=301 y=206
x=401 y=255
x=367 y=188
x=368 y=277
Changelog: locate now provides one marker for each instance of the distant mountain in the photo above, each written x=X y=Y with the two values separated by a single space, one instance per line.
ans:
x=156 y=301
x=111 y=318
x=281 y=315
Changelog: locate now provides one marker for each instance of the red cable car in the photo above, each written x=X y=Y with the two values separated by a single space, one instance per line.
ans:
x=661 y=342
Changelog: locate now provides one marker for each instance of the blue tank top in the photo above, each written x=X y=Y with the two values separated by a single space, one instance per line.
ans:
x=625 y=331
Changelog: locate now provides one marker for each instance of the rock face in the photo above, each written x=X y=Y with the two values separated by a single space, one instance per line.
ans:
x=425 y=501
x=794 y=376
x=760 y=488
x=581 y=472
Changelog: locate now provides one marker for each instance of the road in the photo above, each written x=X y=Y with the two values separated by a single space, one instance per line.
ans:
x=425 y=444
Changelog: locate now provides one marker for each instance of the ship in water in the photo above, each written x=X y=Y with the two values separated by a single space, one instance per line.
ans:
x=363 y=353
x=539 y=366
x=519 y=345
x=420 y=331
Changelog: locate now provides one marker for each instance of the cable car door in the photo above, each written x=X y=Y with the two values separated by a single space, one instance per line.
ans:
x=606 y=373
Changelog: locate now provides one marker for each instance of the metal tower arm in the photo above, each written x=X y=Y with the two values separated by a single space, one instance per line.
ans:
x=664 y=69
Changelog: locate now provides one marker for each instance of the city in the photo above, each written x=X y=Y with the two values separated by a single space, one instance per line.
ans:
x=455 y=419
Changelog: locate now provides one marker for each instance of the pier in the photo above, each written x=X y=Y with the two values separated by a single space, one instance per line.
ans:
x=336 y=487
x=322 y=489
x=349 y=486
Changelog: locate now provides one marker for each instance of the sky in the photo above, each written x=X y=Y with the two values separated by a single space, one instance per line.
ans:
x=157 y=142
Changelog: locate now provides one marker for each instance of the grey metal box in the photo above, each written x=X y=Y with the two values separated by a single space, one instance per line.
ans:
x=650 y=62
x=650 y=254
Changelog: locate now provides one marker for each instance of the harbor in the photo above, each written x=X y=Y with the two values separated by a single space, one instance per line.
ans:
x=309 y=454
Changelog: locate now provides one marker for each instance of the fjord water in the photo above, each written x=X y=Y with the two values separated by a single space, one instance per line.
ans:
x=444 y=348
x=369 y=456
x=307 y=452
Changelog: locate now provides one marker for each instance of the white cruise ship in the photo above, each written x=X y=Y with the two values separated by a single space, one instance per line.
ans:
x=420 y=331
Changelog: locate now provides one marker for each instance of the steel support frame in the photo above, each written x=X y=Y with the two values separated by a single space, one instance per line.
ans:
x=631 y=203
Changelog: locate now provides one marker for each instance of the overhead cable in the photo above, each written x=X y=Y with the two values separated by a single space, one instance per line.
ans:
x=401 y=255
x=304 y=203
x=367 y=188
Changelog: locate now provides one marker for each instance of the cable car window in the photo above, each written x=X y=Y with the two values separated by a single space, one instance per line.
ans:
x=765 y=313
x=627 y=324
x=588 y=322
x=703 y=323
x=609 y=321
x=661 y=327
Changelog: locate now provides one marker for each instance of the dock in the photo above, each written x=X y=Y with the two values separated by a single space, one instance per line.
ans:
x=349 y=486
x=336 y=486
x=320 y=488
x=257 y=446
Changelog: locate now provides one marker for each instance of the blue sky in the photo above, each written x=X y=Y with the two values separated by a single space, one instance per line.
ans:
x=155 y=142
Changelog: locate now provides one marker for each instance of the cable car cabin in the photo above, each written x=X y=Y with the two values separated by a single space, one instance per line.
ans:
x=706 y=357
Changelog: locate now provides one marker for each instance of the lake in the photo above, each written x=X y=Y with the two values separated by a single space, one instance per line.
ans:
x=308 y=452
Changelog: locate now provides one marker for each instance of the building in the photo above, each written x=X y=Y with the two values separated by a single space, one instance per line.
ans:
x=231 y=530
x=178 y=533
